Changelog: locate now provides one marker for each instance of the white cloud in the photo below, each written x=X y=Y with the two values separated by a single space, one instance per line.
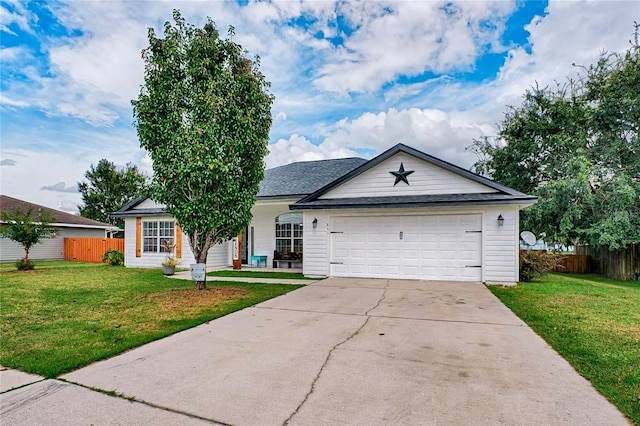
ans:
x=60 y=187
x=298 y=148
x=416 y=37
x=572 y=32
x=20 y=16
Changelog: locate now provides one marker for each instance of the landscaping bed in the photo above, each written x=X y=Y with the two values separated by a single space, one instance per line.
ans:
x=594 y=323
x=65 y=315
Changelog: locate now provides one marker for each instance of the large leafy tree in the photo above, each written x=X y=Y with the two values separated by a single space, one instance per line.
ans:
x=576 y=147
x=204 y=115
x=23 y=229
x=108 y=188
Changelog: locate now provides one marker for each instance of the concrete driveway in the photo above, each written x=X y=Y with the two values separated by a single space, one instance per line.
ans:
x=339 y=351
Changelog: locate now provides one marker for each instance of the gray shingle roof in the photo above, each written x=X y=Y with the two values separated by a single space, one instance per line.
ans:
x=304 y=178
x=10 y=204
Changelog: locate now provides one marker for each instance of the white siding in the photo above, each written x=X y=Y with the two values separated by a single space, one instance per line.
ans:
x=499 y=244
x=49 y=249
x=316 y=244
x=426 y=179
x=217 y=256
x=149 y=204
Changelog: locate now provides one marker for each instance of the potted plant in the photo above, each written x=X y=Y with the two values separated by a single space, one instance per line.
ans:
x=170 y=263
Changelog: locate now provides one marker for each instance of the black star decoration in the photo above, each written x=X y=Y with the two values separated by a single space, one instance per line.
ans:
x=401 y=175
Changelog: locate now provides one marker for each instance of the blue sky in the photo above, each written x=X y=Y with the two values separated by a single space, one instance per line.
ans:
x=351 y=78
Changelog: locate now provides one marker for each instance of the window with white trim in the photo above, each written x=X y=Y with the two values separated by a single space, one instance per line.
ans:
x=289 y=233
x=155 y=233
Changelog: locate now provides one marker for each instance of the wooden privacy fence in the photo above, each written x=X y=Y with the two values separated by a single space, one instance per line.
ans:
x=90 y=249
x=619 y=265
x=573 y=264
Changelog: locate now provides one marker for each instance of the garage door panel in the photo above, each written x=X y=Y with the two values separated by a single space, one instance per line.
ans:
x=391 y=270
x=432 y=247
x=410 y=272
x=374 y=270
x=391 y=254
x=410 y=254
x=429 y=255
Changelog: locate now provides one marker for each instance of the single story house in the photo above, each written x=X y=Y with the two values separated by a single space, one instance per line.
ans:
x=403 y=214
x=68 y=225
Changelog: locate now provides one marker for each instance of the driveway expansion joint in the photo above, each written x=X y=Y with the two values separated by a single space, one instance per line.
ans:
x=326 y=361
x=114 y=394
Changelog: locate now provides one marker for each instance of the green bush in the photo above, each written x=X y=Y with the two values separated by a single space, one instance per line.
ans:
x=535 y=263
x=113 y=257
x=25 y=265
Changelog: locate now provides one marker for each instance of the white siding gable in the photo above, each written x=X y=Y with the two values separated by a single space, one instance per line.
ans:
x=149 y=204
x=426 y=179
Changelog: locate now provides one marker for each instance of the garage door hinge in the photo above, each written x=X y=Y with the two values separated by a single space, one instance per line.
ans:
x=336 y=263
x=473 y=231
x=337 y=232
x=473 y=266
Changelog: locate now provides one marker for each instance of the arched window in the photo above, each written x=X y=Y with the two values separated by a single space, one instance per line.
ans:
x=289 y=234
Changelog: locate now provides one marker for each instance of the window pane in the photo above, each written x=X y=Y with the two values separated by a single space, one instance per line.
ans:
x=150 y=245
x=297 y=246
x=166 y=228
x=283 y=245
x=289 y=218
x=149 y=229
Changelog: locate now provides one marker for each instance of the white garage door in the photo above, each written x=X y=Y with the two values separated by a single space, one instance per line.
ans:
x=445 y=247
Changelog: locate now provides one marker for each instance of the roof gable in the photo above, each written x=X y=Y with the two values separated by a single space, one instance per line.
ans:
x=428 y=179
x=422 y=178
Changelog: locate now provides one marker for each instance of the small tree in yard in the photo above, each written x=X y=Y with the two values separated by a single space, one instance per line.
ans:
x=22 y=229
x=108 y=188
x=204 y=115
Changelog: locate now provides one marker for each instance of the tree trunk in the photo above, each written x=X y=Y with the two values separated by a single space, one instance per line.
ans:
x=201 y=285
x=202 y=258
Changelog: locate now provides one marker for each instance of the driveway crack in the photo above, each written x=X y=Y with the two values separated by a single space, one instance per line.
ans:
x=337 y=345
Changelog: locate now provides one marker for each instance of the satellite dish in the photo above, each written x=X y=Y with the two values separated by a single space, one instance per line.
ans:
x=529 y=238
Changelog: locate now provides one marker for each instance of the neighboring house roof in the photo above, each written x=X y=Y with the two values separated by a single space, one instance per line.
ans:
x=10 y=205
x=505 y=195
x=305 y=177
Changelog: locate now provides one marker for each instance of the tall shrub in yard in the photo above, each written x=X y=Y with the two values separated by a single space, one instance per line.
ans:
x=203 y=114
x=21 y=228
x=535 y=263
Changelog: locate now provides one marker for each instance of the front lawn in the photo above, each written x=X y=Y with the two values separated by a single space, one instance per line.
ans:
x=594 y=323
x=59 y=318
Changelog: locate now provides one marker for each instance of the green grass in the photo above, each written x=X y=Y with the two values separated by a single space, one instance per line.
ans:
x=59 y=318
x=594 y=323
x=46 y=264
x=258 y=274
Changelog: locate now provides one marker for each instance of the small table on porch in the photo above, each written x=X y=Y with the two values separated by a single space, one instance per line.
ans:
x=258 y=258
